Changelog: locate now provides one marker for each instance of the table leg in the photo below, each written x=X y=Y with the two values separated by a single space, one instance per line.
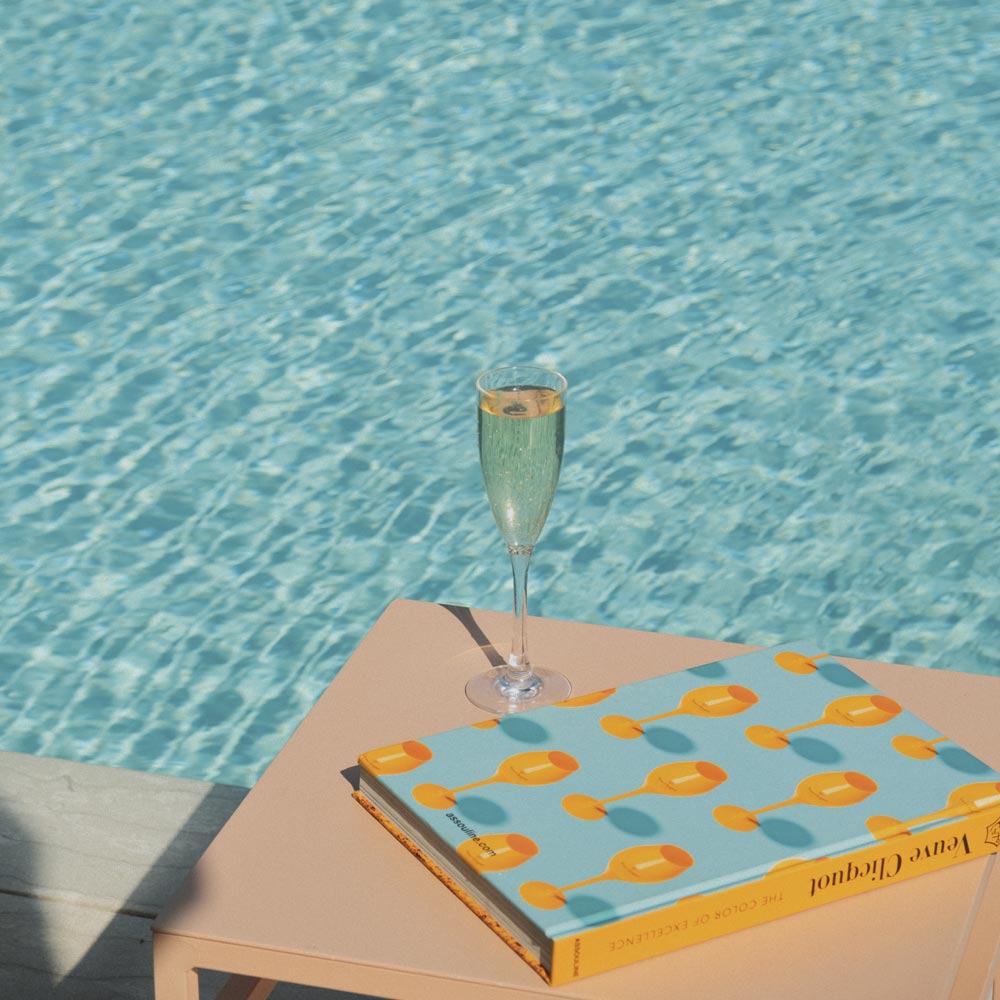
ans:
x=246 y=988
x=174 y=974
x=174 y=982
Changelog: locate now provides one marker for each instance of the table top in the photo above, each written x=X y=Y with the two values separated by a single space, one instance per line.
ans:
x=301 y=869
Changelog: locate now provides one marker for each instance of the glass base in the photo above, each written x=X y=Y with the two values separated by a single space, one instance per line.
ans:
x=491 y=692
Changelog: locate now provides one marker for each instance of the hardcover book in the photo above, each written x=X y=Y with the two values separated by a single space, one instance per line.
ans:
x=625 y=823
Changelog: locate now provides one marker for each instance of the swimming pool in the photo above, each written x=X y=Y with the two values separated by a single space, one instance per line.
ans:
x=253 y=255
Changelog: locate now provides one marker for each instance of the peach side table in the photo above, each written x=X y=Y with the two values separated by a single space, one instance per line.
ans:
x=302 y=886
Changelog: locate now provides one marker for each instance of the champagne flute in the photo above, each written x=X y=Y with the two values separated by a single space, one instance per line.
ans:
x=522 y=417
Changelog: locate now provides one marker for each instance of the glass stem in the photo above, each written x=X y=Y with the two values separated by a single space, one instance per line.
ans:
x=518 y=665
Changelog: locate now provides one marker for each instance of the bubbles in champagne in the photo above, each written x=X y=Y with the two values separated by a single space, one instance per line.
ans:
x=521 y=432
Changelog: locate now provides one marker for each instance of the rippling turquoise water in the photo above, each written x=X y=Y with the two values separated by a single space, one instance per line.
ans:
x=252 y=256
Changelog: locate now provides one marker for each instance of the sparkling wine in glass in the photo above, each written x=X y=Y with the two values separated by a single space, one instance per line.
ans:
x=522 y=415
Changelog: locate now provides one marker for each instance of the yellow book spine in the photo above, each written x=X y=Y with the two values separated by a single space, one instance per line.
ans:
x=790 y=887
x=442 y=876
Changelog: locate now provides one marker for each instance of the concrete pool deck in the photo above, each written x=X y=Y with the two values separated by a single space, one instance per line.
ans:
x=88 y=856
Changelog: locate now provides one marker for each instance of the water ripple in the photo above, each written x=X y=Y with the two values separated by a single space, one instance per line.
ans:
x=251 y=258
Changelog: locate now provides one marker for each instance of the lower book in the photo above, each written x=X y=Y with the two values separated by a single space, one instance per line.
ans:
x=605 y=830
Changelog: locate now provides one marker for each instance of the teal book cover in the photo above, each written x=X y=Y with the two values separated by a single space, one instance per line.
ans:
x=625 y=801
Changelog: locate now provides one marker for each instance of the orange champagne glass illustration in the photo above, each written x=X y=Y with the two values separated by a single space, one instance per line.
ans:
x=834 y=788
x=534 y=767
x=497 y=852
x=694 y=777
x=713 y=701
x=397 y=758
x=582 y=700
x=856 y=710
x=797 y=663
x=645 y=863
x=916 y=747
x=962 y=801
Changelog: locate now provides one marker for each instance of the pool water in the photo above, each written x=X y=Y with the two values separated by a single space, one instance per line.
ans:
x=252 y=256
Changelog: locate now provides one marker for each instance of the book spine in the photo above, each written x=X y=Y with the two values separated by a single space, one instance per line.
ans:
x=438 y=872
x=787 y=889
